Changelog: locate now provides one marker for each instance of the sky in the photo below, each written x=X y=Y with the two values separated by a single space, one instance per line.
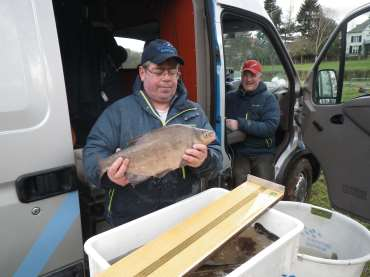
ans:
x=338 y=8
x=335 y=8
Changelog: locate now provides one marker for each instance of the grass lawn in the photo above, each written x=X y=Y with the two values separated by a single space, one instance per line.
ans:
x=351 y=65
x=319 y=197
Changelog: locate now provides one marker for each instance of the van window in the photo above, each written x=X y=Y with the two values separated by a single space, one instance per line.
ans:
x=354 y=71
x=357 y=72
x=244 y=40
x=134 y=48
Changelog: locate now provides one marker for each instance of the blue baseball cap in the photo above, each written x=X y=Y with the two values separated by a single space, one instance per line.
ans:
x=158 y=51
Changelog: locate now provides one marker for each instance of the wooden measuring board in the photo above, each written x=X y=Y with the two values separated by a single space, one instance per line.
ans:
x=186 y=245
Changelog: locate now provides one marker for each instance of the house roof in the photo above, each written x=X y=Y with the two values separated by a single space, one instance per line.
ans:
x=360 y=27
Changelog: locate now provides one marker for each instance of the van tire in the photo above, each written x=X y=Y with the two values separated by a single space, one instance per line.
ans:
x=299 y=182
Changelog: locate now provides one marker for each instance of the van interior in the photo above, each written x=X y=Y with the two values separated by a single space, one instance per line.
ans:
x=98 y=70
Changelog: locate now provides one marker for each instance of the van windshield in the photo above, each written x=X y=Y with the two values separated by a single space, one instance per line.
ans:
x=243 y=39
x=134 y=48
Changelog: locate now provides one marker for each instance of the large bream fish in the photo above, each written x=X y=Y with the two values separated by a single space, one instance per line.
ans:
x=158 y=152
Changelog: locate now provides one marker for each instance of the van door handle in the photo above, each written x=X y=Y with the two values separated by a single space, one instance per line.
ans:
x=317 y=126
x=47 y=183
x=337 y=119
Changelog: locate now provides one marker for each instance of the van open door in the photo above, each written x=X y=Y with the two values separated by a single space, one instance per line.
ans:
x=336 y=114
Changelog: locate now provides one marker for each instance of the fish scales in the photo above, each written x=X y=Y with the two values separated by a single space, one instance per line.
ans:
x=158 y=152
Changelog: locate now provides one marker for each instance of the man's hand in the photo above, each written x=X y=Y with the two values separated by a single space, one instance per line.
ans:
x=194 y=157
x=116 y=172
x=232 y=124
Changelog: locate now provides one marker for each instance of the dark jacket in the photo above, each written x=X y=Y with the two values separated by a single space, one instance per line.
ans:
x=127 y=119
x=258 y=115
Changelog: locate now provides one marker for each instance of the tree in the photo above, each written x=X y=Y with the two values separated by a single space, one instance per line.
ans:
x=307 y=48
x=302 y=50
x=307 y=17
x=288 y=26
x=324 y=27
x=275 y=12
x=239 y=47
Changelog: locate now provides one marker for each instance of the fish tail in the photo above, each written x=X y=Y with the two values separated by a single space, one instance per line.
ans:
x=102 y=165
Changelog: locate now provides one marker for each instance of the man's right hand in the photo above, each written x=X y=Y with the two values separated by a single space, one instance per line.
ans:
x=116 y=172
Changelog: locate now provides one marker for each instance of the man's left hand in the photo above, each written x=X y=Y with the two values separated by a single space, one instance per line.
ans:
x=232 y=124
x=194 y=157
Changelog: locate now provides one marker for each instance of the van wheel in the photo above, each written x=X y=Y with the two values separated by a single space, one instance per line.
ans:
x=299 y=181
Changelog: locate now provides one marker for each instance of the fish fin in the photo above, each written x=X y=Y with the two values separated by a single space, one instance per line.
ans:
x=133 y=141
x=136 y=179
x=104 y=164
x=147 y=137
x=182 y=163
x=101 y=165
x=162 y=174
x=140 y=139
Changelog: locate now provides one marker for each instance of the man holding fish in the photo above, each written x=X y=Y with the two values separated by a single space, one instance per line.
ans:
x=163 y=156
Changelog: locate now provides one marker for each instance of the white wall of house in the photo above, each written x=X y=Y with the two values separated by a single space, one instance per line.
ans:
x=366 y=35
x=356 y=42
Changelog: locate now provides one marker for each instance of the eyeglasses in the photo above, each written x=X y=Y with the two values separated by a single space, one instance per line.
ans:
x=160 y=72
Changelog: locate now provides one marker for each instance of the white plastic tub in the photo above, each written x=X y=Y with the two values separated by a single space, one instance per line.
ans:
x=331 y=244
x=274 y=260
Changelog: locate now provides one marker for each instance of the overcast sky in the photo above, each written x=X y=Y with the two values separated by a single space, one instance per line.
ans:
x=338 y=8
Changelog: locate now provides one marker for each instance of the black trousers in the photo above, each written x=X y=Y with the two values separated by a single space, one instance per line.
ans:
x=257 y=165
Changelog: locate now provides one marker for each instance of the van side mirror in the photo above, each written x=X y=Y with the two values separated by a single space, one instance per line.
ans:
x=326 y=87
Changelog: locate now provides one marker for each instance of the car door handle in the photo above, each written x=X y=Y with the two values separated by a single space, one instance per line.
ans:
x=337 y=119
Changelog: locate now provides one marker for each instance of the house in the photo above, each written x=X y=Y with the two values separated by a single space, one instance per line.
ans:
x=358 y=40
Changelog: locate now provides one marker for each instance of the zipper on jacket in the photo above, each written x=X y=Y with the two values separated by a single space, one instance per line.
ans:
x=157 y=116
x=180 y=113
x=151 y=108
x=110 y=196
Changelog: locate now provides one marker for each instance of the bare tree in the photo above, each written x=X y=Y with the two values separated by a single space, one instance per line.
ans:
x=324 y=27
x=288 y=27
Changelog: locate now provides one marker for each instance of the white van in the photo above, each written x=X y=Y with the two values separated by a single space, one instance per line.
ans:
x=59 y=70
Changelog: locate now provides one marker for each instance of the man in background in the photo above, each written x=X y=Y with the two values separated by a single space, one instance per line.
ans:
x=253 y=110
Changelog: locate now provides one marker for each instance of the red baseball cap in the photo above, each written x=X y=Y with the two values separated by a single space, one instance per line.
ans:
x=252 y=66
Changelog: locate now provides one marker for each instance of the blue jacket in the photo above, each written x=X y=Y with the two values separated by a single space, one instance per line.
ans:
x=258 y=115
x=127 y=119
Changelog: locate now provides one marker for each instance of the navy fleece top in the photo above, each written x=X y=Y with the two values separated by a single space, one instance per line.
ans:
x=258 y=115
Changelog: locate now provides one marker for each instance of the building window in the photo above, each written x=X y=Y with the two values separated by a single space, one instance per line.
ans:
x=355 y=49
x=356 y=38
